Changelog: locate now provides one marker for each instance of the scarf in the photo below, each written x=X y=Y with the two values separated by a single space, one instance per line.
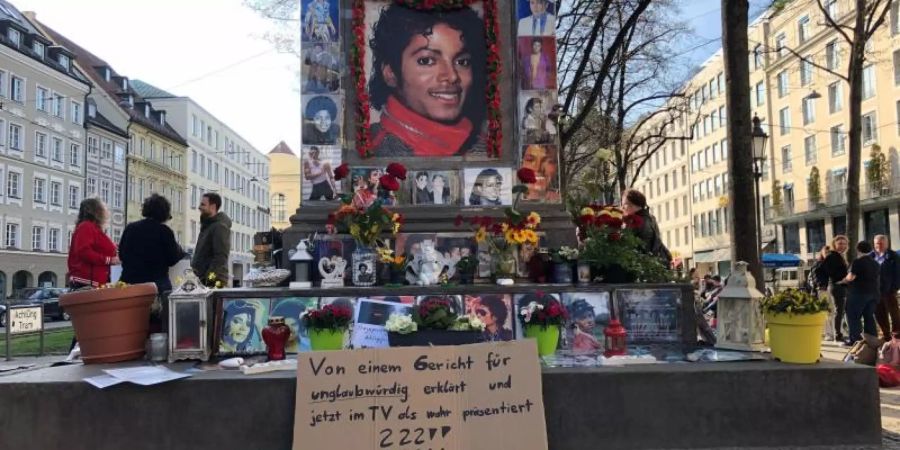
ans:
x=423 y=136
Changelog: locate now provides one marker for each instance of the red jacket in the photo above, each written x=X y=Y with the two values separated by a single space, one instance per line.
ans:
x=89 y=254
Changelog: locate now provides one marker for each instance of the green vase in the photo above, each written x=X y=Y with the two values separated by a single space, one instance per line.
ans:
x=326 y=339
x=547 y=338
x=504 y=263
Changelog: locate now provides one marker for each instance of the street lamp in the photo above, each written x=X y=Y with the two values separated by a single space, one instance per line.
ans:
x=759 y=138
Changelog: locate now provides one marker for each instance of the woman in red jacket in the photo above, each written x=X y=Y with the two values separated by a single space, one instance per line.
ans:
x=91 y=252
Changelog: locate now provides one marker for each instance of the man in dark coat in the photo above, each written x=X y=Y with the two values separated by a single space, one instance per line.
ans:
x=887 y=314
x=213 y=243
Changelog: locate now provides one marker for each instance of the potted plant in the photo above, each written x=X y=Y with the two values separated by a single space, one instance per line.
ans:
x=564 y=259
x=111 y=323
x=433 y=322
x=543 y=319
x=795 y=320
x=327 y=326
x=466 y=267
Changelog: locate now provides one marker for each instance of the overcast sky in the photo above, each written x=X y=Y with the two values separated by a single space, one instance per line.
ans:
x=209 y=50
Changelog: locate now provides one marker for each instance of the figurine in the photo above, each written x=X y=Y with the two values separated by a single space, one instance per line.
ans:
x=428 y=267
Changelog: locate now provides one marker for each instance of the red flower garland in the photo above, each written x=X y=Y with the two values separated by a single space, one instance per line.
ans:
x=492 y=94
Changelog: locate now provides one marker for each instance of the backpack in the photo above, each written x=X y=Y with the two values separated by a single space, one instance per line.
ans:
x=818 y=278
x=657 y=248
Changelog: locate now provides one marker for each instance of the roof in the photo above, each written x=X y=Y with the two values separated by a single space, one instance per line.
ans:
x=148 y=90
x=18 y=19
x=93 y=65
x=102 y=122
x=282 y=148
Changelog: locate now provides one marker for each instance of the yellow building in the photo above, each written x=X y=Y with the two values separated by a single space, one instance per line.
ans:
x=284 y=184
x=804 y=111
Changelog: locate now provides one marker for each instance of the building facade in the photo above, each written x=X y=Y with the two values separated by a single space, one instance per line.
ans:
x=804 y=110
x=284 y=184
x=42 y=160
x=219 y=160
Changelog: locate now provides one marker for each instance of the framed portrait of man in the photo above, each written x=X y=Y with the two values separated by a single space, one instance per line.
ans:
x=426 y=80
x=537 y=59
x=321 y=68
x=535 y=125
x=435 y=187
x=544 y=161
x=488 y=186
x=319 y=21
x=318 y=163
x=536 y=18
x=322 y=116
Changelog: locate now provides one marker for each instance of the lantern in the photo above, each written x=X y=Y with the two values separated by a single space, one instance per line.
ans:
x=302 y=261
x=188 y=312
x=615 y=341
x=739 y=320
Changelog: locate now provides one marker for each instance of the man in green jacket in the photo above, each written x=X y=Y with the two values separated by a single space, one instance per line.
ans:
x=213 y=243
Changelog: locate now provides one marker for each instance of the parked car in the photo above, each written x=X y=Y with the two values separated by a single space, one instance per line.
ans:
x=46 y=297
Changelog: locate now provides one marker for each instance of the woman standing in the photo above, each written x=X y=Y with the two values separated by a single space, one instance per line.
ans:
x=836 y=267
x=634 y=205
x=863 y=293
x=91 y=252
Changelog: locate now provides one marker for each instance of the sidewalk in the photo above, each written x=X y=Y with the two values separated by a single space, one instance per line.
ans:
x=27 y=363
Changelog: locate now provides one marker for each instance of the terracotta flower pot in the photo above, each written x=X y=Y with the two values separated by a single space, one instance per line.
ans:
x=111 y=324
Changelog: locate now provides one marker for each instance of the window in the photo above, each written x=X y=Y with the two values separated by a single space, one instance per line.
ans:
x=786 y=159
x=104 y=191
x=119 y=154
x=39 y=190
x=809 y=110
x=53 y=240
x=12 y=235
x=803 y=29
x=93 y=147
x=898 y=117
x=835 y=97
x=806 y=70
x=64 y=61
x=809 y=149
x=74 y=197
x=37 y=238
x=195 y=126
x=832 y=57
x=40 y=99
x=723 y=146
x=869 y=128
x=56 y=193
x=837 y=140
x=895 y=18
x=757 y=57
x=780 y=43
x=105 y=149
x=15 y=137
x=117 y=195
x=14 y=185
x=722 y=116
x=760 y=94
x=782 y=83
x=40 y=145
x=784 y=116
x=14 y=35
x=76 y=112
x=59 y=106
x=57 y=150
x=868 y=82
x=91 y=186
x=832 y=7
x=17 y=89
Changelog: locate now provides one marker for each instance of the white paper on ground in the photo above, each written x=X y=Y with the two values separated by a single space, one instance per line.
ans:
x=103 y=381
x=146 y=375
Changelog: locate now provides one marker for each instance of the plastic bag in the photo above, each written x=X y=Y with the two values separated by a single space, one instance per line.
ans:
x=887 y=376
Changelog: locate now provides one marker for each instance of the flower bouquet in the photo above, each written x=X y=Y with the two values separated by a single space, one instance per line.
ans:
x=433 y=322
x=396 y=265
x=611 y=246
x=327 y=326
x=564 y=259
x=543 y=319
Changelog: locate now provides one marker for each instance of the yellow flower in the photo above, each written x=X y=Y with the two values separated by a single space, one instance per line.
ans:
x=587 y=211
x=211 y=276
x=534 y=218
x=510 y=236
x=218 y=284
x=354 y=230
x=530 y=236
x=396 y=228
x=480 y=235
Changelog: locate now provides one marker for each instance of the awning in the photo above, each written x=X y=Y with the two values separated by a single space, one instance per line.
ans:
x=713 y=256
x=772 y=260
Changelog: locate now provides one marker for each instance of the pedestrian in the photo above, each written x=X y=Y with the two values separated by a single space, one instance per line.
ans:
x=818 y=285
x=836 y=267
x=148 y=248
x=887 y=313
x=210 y=259
x=91 y=251
x=862 y=296
x=634 y=205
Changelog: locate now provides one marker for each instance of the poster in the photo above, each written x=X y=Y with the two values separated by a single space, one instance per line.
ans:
x=488 y=186
x=588 y=318
x=650 y=315
x=544 y=160
x=322 y=116
x=426 y=74
x=320 y=20
x=369 y=319
x=319 y=162
x=364 y=182
x=536 y=17
x=480 y=396
x=242 y=323
x=496 y=311
x=536 y=127
x=291 y=309
x=322 y=68
x=434 y=187
x=537 y=61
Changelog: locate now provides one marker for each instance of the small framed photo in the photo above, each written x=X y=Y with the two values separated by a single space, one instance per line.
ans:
x=241 y=322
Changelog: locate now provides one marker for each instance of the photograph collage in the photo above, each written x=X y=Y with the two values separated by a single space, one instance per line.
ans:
x=239 y=322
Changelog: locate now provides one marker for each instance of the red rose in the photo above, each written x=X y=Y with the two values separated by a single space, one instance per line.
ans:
x=615 y=236
x=397 y=170
x=526 y=175
x=458 y=221
x=389 y=183
x=634 y=221
x=341 y=171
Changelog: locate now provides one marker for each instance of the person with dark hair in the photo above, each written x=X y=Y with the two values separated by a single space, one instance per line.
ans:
x=210 y=259
x=541 y=22
x=863 y=293
x=317 y=23
x=536 y=67
x=487 y=188
x=239 y=333
x=583 y=322
x=365 y=275
x=365 y=187
x=148 y=247
x=538 y=129
x=835 y=265
x=91 y=251
x=320 y=122
x=428 y=82
x=493 y=311
x=440 y=191
x=544 y=161
x=421 y=193
x=320 y=175
x=887 y=313
x=635 y=204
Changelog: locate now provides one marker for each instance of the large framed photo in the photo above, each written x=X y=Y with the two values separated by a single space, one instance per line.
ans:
x=239 y=325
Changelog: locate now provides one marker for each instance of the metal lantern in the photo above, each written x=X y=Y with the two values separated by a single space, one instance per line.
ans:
x=739 y=320
x=615 y=339
x=302 y=261
x=188 y=319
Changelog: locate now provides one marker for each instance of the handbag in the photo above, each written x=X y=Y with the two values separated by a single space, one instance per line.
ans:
x=864 y=351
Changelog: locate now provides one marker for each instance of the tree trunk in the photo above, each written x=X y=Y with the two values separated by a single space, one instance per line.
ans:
x=744 y=240
x=854 y=134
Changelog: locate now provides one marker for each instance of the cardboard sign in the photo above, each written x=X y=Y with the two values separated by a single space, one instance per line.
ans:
x=25 y=319
x=483 y=396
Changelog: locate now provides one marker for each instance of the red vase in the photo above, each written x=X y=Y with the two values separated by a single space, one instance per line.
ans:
x=276 y=335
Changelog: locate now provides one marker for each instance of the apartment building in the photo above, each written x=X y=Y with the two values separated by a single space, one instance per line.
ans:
x=284 y=184
x=42 y=161
x=804 y=111
x=220 y=161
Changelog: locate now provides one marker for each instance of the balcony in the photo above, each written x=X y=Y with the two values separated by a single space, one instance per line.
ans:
x=835 y=197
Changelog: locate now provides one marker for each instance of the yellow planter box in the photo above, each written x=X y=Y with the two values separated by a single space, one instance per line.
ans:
x=796 y=338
